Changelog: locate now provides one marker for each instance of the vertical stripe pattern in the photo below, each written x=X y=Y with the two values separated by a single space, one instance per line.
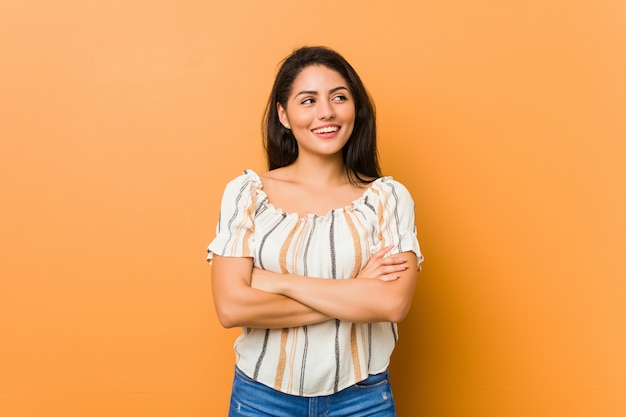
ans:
x=321 y=358
x=282 y=359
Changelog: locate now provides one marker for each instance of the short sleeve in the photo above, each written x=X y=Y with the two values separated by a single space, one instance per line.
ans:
x=235 y=226
x=396 y=219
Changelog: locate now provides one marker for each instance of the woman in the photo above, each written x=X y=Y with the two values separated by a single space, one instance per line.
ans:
x=317 y=258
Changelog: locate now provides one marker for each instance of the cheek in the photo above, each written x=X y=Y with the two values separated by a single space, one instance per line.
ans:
x=299 y=119
x=349 y=131
x=349 y=116
x=348 y=112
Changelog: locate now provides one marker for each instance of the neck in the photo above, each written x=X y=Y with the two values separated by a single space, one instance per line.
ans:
x=320 y=171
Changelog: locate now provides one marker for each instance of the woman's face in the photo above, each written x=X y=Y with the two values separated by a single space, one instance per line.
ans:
x=320 y=111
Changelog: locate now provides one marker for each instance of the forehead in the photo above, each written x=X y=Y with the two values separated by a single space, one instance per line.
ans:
x=318 y=78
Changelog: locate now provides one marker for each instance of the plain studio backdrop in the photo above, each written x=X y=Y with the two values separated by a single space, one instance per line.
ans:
x=122 y=121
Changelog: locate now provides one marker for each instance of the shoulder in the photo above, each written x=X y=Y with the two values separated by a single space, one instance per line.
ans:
x=244 y=184
x=389 y=188
x=247 y=178
x=283 y=174
x=279 y=181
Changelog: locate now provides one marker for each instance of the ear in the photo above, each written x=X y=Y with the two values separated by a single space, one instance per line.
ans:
x=282 y=116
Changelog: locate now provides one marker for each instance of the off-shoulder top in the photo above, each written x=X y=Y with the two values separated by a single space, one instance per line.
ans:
x=323 y=358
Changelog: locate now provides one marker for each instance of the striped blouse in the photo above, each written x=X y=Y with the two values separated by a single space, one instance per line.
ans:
x=323 y=358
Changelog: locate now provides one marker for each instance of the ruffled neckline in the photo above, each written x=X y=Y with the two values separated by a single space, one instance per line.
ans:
x=360 y=201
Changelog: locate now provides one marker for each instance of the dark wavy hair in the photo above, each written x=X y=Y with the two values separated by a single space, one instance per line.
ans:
x=360 y=154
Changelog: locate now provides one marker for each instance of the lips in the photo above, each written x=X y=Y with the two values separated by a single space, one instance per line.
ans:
x=325 y=129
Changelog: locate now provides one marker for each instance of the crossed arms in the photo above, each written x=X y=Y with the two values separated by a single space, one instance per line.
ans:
x=246 y=296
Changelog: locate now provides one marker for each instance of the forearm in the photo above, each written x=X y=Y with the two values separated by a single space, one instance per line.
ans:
x=255 y=308
x=359 y=301
x=363 y=300
x=239 y=305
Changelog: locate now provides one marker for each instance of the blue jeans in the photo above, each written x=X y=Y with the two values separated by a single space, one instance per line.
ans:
x=371 y=397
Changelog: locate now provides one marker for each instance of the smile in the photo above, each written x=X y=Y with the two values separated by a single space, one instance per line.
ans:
x=326 y=129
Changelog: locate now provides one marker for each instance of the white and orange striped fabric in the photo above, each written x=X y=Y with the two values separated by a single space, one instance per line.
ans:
x=323 y=358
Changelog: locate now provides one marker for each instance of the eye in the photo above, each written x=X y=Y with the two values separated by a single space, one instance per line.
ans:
x=340 y=97
x=308 y=101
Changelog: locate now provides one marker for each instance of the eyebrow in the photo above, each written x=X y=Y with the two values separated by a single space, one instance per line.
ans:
x=312 y=92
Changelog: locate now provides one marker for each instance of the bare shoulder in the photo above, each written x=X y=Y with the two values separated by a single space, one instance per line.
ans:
x=278 y=185
x=279 y=177
x=278 y=174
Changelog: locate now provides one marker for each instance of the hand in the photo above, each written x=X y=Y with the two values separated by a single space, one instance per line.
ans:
x=384 y=268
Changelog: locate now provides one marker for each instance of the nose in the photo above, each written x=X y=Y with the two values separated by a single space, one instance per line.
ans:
x=325 y=110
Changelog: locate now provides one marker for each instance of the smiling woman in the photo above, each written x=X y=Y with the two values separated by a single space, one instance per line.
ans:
x=315 y=259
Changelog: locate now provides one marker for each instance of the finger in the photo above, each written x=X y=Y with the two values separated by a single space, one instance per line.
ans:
x=380 y=258
x=390 y=265
x=391 y=269
x=386 y=266
x=393 y=260
x=389 y=277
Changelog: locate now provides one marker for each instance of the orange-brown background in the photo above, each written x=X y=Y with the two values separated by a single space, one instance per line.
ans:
x=121 y=122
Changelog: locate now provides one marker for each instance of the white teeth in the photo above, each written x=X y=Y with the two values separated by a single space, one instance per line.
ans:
x=327 y=129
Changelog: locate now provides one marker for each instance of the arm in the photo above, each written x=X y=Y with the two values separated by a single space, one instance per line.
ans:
x=236 y=303
x=387 y=298
x=239 y=305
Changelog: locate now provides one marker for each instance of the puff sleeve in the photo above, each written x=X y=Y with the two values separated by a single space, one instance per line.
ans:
x=396 y=219
x=235 y=226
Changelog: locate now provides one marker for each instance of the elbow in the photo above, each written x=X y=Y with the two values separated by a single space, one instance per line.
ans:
x=227 y=318
x=226 y=323
x=397 y=312
x=398 y=305
x=398 y=316
x=233 y=312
